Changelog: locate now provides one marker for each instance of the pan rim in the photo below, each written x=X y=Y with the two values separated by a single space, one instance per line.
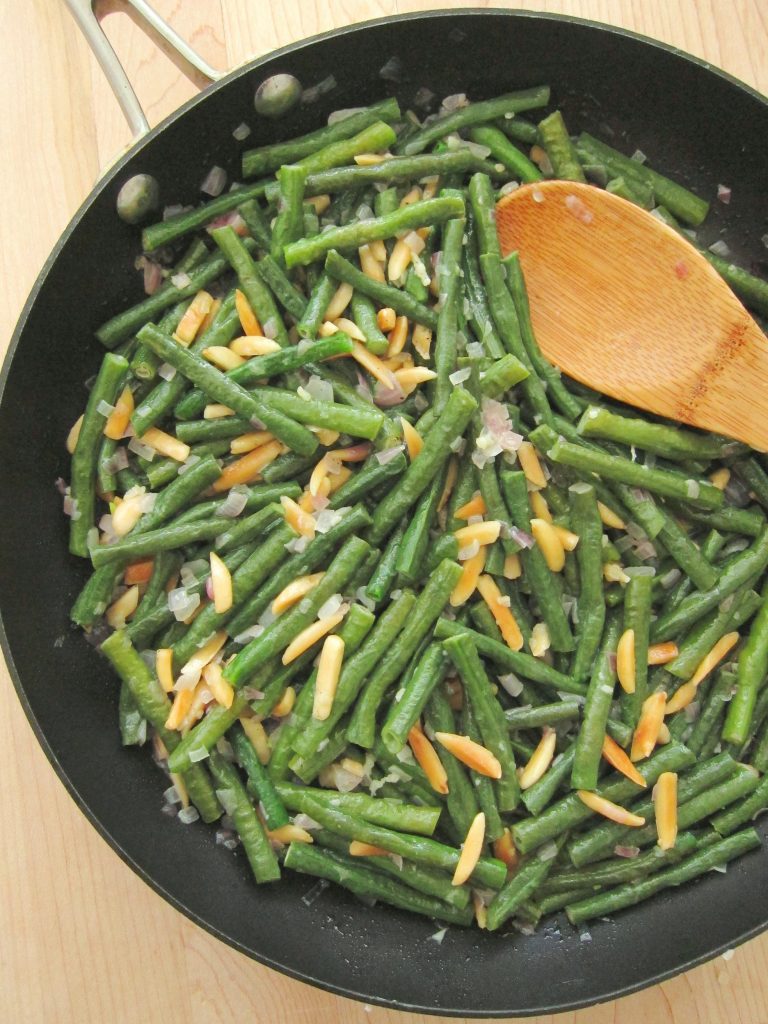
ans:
x=104 y=182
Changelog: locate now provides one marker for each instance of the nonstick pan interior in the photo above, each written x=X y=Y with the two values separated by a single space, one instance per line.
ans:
x=692 y=123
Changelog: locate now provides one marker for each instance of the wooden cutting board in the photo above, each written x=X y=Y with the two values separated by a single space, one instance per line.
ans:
x=82 y=939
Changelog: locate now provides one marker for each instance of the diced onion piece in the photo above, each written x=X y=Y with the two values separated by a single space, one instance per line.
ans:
x=474 y=507
x=164 y=667
x=166 y=444
x=530 y=465
x=385 y=318
x=660 y=654
x=513 y=568
x=625 y=661
x=217 y=411
x=410 y=378
x=293 y=593
x=193 y=318
x=123 y=608
x=650 y=722
x=248 y=319
x=620 y=760
x=118 y=420
x=484 y=533
x=428 y=760
x=540 y=760
x=257 y=734
x=221 y=585
x=303 y=523
x=74 y=434
x=471 y=849
x=182 y=703
x=328 y=672
x=339 y=301
x=222 y=691
x=665 y=808
x=610 y=810
x=502 y=615
x=549 y=543
x=540 y=509
x=413 y=439
x=285 y=705
x=568 y=539
x=467 y=584
x=248 y=468
x=311 y=635
x=248 y=346
x=609 y=518
x=214 y=182
x=472 y=754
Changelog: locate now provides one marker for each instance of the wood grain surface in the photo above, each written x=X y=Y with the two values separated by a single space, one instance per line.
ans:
x=82 y=939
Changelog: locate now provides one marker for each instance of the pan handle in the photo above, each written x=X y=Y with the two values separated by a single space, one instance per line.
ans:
x=88 y=23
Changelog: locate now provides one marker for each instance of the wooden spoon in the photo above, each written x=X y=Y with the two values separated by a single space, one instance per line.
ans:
x=624 y=304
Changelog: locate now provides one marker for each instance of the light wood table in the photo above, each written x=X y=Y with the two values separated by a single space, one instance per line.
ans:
x=82 y=940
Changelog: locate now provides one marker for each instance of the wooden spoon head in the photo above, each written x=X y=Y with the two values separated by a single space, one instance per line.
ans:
x=624 y=304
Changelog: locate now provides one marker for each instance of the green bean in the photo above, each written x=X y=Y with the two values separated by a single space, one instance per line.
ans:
x=284 y=629
x=377 y=810
x=571 y=811
x=544 y=584
x=668 y=441
x=369 y=884
x=523 y=884
x=635 y=192
x=269 y=365
x=700 y=640
x=413 y=546
x=155 y=707
x=83 y=483
x=132 y=548
x=259 y=782
x=427 y=608
x=688 y=556
x=449 y=425
x=289 y=223
x=542 y=714
x=637 y=616
x=372 y=474
x=420 y=849
x=697 y=864
x=424 y=880
x=515 y=161
x=502 y=375
x=248 y=529
x=286 y=293
x=744 y=521
x=461 y=799
x=164 y=566
x=475 y=113
x=636 y=474
x=270 y=157
x=364 y=315
x=678 y=200
x=133 y=725
x=752 y=290
x=712 y=711
x=144 y=362
x=743 y=811
x=408 y=218
x=312 y=317
x=753 y=666
x=122 y=326
x=537 y=796
x=371 y=139
x=586 y=523
x=341 y=269
x=600 y=841
x=445 y=351
x=489 y=715
x=591 y=735
x=384 y=575
x=483 y=208
x=483 y=786
x=519 y=129
x=255 y=841
x=403 y=713
x=478 y=311
x=256 y=222
x=553 y=136
x=155 y=236
x=221 y=389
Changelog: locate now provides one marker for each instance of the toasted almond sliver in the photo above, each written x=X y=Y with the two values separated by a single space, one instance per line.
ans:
x=293 y=593
x=410 y=378
x=647 y=731
x=504 y=849
x=568 y=539
x=311 y=635
x=373 y=365
x=480 y=533
x=398 y=336
x=687 y=692
x=421 y=339
x=540 y=759
x=249 y=442
x=470 y=753
x=474 y=507
x=249 y=346
x=471 y=849
x=122 y=608
x=550 y=544
x=370 y=266
x=428 y=760
x=530 y=465
x=625 y=661
x=320 y=203
x=290 y=833
x=339 y=301
x=660 y=654
x=614 y=573
x=411 y=197
x=450 y=482
x=204 y=654
x=222 y=357
x=74 y=433
x=257 y=734
x=349 y=327
x=118 y=419
x=386 y=318
x=609 y=518
x=399 y=260
x=502 y=614
x=164 y=667
x=248 y=468
x=472 y=569
x=360 y=849
x=610 y=810
x=540 y=508
x=286 y=703
x=665 y=808
x=513 y=567
x=720 y=479
x=328 y=672
x=166 y=444
x=248 y=319
x=413 y=439
x=302 y=522
x=619 y=759
x=223 y=692
x=126 y=515
x=217 y=411
x=378 y=250
x=221 y=584
x=182 y=702
x=193 y=319
x=139 y=572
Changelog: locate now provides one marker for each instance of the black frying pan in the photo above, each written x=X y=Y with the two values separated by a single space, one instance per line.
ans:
x=693 y=123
